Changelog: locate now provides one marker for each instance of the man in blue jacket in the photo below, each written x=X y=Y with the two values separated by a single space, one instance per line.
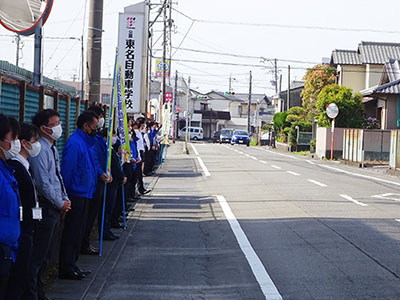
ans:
x=100 y=147
x=80 y=176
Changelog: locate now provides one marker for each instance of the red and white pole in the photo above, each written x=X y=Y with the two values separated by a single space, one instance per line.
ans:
x=333 y=137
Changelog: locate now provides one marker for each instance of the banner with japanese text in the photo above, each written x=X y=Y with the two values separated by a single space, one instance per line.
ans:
x=130 y=48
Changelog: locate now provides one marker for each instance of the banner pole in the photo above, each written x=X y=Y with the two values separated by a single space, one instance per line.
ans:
x=109 y=145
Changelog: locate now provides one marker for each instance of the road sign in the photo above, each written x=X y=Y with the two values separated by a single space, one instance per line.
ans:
x=332 y=110
x=178 y=108
x=168 y=97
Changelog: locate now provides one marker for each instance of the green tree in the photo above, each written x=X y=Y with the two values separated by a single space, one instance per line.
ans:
x=280 y=121
x=351 y=108
x=316 y=79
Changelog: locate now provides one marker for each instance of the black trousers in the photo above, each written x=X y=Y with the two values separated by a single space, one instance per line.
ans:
x=139 y=173
x=18 y=278
x=94 y=208
x=44 y=239
x=111 y=198
x=74 y=227
x=5 y=265
x=149 y=163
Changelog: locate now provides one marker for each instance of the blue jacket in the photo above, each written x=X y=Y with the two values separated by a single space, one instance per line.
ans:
x=9 y=209
x=100 y=147
x=78 y=167
x=133 y=151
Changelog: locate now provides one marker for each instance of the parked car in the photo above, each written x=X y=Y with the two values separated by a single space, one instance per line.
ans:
x=195 y=133
x=267 y=138
x=240 y=137
x=216 y=136
x=226 y=136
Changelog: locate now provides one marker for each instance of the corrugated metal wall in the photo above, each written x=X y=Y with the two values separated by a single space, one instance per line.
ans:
x=62 y=110
x=9 y=100
x=72 y=117
x=31 y=105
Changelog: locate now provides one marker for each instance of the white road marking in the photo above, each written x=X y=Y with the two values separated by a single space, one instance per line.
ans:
x=285 y=155
x=253 y=157
x=236 y=150
x=240 y=152
x=293 y=173
x=203 y=166
x=276 y=167
x=247 y=155
x=194 y=149
x=310 y=162
x=361 y=175
x=263 y=161
x=397 y=220
x=388 y=196
x=353 y=200
x=317 y=182
x=264 y=280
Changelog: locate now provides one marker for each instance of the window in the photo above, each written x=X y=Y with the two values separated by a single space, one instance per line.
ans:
x=240 y=110
x=105 y=98
x=191 y=129
x=196 y=130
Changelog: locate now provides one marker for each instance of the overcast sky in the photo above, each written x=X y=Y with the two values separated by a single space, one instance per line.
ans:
x=62 y=57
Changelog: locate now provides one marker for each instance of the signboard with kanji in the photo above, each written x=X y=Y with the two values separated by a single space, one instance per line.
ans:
x=130 y=45
x=160 y=69
x=168 y=97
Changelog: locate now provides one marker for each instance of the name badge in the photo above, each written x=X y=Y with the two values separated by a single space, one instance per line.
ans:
x=37 y=213
x=20 y=214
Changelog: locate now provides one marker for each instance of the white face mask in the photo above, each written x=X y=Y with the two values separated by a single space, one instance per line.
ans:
x=36 y=147
x=101 y=123
x=14 y=150
x=114 y=140
x=57 y=132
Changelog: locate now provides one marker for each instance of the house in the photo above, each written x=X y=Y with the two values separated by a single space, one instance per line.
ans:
x=296 y=87
x=383 y=100
x=361 y=69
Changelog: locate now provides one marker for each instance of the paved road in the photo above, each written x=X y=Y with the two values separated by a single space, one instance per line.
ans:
x=233 y=222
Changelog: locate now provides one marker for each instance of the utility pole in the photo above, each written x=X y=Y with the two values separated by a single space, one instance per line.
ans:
x=38 y=67
x=249 y=105
x=164 y=52
x=230 y=84
x=82 y=70
x=288 y=91
x=173 y=107
x=95 y=31
x=18 y=40
x=187 y=137
x=276 y=75
x=170 y=40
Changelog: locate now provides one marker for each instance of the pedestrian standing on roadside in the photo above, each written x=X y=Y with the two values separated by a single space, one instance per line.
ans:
x=100 y=148
x=138 y=127
x=10 y=202
x=80 y=175
x=32 y=213
x=53 y=200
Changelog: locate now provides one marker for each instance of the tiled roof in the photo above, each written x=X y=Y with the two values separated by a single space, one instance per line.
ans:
x=389 y=88
x=392 y=69
x=345 y=57
x=367 y=53
x=378 y=53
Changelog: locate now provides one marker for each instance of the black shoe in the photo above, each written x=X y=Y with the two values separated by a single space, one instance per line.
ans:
x=86 y=273
x=110 y=237
x=89 y=251
x=72 y=276
x=144 y=192
x=117 y=225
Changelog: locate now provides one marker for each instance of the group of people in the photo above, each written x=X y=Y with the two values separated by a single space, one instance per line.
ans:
x=42 y=196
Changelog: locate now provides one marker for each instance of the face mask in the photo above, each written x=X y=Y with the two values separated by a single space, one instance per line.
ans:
x=57 y=132
x=14 y=150
x=114 y=140
x=36 y=147
x=101 y=123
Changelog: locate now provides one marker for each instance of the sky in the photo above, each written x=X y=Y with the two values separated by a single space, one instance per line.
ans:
x=222 y=27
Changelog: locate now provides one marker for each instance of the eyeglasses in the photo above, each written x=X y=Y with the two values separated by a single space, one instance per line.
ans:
x=54 y=124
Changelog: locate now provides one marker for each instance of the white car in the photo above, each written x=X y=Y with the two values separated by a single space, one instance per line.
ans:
x=195 y=133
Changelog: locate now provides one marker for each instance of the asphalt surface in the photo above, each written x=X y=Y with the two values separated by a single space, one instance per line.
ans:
x=236 y=222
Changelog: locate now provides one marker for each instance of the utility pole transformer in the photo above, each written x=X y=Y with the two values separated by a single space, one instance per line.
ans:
x=288 y=91
x=249 y=106
x=276 y=75
x=93 y=67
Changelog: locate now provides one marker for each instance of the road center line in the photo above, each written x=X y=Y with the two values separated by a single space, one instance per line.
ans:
x=353 y=200
x=317 y=182
x=264 y=280
x=194 y=149
x=276 y=167
x=203 y=166
x=310 y=162
x=397 y=220
x=293 y=173
x=285 y=155
x=262 y=161
x=253 y=157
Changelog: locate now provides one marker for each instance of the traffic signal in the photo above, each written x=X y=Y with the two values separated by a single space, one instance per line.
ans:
x=229 y=93
x=202 y=97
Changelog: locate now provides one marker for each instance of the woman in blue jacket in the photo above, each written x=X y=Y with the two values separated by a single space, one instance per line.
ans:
x=9 y=199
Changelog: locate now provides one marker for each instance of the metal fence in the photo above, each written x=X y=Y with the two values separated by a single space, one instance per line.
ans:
x=366 y=146
x=304 y=138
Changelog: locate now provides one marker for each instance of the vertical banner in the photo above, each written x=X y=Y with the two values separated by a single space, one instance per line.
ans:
x=130 y=46
x=122 y=118
x=160 y=68
x=111 y=119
